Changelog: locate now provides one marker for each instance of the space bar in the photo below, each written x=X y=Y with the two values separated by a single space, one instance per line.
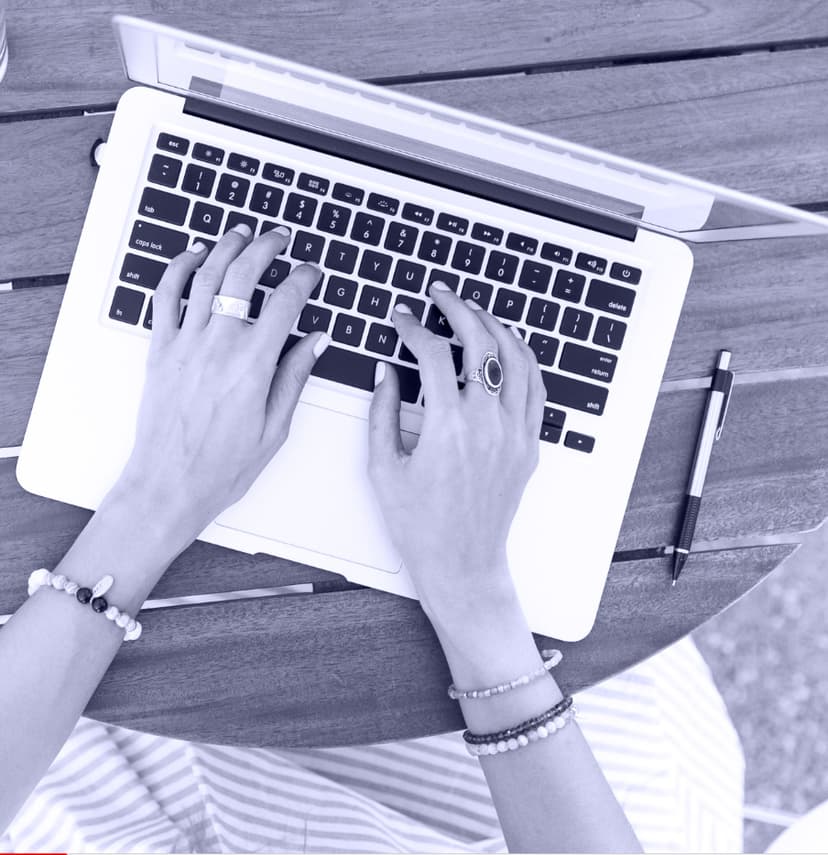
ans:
x=346 y=366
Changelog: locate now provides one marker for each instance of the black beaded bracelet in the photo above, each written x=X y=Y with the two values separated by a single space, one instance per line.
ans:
x=479 y=739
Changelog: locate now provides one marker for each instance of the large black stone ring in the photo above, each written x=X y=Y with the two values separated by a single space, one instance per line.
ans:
x=489 y=375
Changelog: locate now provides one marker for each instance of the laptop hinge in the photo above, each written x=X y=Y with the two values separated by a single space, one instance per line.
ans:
x=410 y=167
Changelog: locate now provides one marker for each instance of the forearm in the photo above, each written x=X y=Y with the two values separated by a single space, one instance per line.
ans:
x=54 y=652
x=550 y=796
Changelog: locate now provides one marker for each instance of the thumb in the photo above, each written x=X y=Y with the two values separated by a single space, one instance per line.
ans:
x=291 y=375
x=385 y=442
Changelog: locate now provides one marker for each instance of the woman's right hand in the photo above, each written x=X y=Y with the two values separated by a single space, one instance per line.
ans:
x=449 y=503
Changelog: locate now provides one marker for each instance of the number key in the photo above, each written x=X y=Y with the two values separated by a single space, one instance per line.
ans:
x=468 y=257
x=266 y=200
x=232 y=190
x=334 y=219
x=502 y=267
x=367 y=228
x=300 y=209
x=401 y=238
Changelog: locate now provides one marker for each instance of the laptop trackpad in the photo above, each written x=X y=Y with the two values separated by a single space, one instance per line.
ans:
x=315 y=493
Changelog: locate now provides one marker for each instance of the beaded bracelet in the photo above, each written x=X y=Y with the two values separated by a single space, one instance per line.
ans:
x=525 y=679
x=95 y=596
x=559 y=708
x=521 y=740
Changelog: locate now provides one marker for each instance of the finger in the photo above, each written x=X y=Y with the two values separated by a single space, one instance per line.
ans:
x=464 y=319
x=291 y=377
x=270 y=331
x=166 y=302
x=210 y=275
x=384 y=438
x=245 y=270
x=433 y=357
x=515 y=362
x=536 y=399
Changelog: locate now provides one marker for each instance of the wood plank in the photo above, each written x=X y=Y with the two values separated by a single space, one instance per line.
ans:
x=298 y=674
x=732 y=121
x=62 y=54
x=760 y=482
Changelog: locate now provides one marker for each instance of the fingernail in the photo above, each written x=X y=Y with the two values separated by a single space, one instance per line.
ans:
x=403 y=309
x=282 y=230
x=440 y=285
x=197 y=247
x=516 y=334
x=243 y=229
x=321 y=343
x=379 y=374
x=472 y=305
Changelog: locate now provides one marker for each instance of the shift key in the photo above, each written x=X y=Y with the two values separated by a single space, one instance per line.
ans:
x=574 y=393
x=156 y=239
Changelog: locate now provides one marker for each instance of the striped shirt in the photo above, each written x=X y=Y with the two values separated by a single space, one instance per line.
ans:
x=676 y=768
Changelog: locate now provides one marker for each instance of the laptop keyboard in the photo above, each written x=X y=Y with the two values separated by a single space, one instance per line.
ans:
x=376 y=251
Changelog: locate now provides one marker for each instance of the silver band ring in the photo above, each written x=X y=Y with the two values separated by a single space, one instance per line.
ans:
x=233 y=307
x=489 y=375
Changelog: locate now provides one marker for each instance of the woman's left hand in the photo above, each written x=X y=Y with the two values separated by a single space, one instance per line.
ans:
x=216 y=406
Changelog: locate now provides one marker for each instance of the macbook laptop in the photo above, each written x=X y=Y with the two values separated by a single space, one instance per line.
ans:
x=583 y=252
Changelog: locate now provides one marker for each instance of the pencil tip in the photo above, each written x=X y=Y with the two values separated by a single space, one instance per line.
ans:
x=674 y=583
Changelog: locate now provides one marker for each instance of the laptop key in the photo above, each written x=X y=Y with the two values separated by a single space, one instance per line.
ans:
x=266 y=200
x=172 y=143
x=545 y=348
x=610 y=298
x=206 y=218
x=450 y=223
x=383 y=204
x=479 y=292
x=347 y=367
x=609 y=333
x=374 y=301
x=417 y=306
x=576 y=324
x=277 y=174
x=552 y=416
x=592 y=263
x=535 y=276
x=242 y=163
x=208 y=153
x=409 y=379
x=158 y=240
x=300 y=209
x=164 y=170
x=568 y=286
x=401 y=238
x=542 y=314
x=313 y=183
x=367 y=228
x=488 y=234
x=348 y=330
x=341 y=256
x=375 y=266
x=409 y=275
x=334 y=219
x=147 y=324
x=340 y=292
x=198 y=180
x=468 y=257
x=307 y=246
x=276 y=272
x=550 y=433
x=625 y=273
x=437 y=322
x=236 y=217
x=587 y=362
x=579 y=441
x=557 y=253
x=521 y=243
x=434 y=248
x=502 y=267
x=347 y=193
x=163 y=206
x=509 y=304
x=417 y=214
x=256 y=303
x=381 y=339
x=451 y=279
x=574 y=394
x=126 y=305
x=142 y=271
x=232 y=190
x=314 y=318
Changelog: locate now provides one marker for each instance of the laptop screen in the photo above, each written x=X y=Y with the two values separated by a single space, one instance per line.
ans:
x=382 y=118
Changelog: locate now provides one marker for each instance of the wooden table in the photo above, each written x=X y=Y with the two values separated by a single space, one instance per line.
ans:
x=687 y=86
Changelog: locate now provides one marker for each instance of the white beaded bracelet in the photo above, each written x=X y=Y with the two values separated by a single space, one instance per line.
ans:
x=523 y=739
x=555 y=657
x=43 y=577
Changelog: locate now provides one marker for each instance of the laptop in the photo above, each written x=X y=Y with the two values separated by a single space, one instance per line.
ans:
x=585 y=253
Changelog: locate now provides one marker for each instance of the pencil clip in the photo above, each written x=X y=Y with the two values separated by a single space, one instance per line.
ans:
x=727 y=388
